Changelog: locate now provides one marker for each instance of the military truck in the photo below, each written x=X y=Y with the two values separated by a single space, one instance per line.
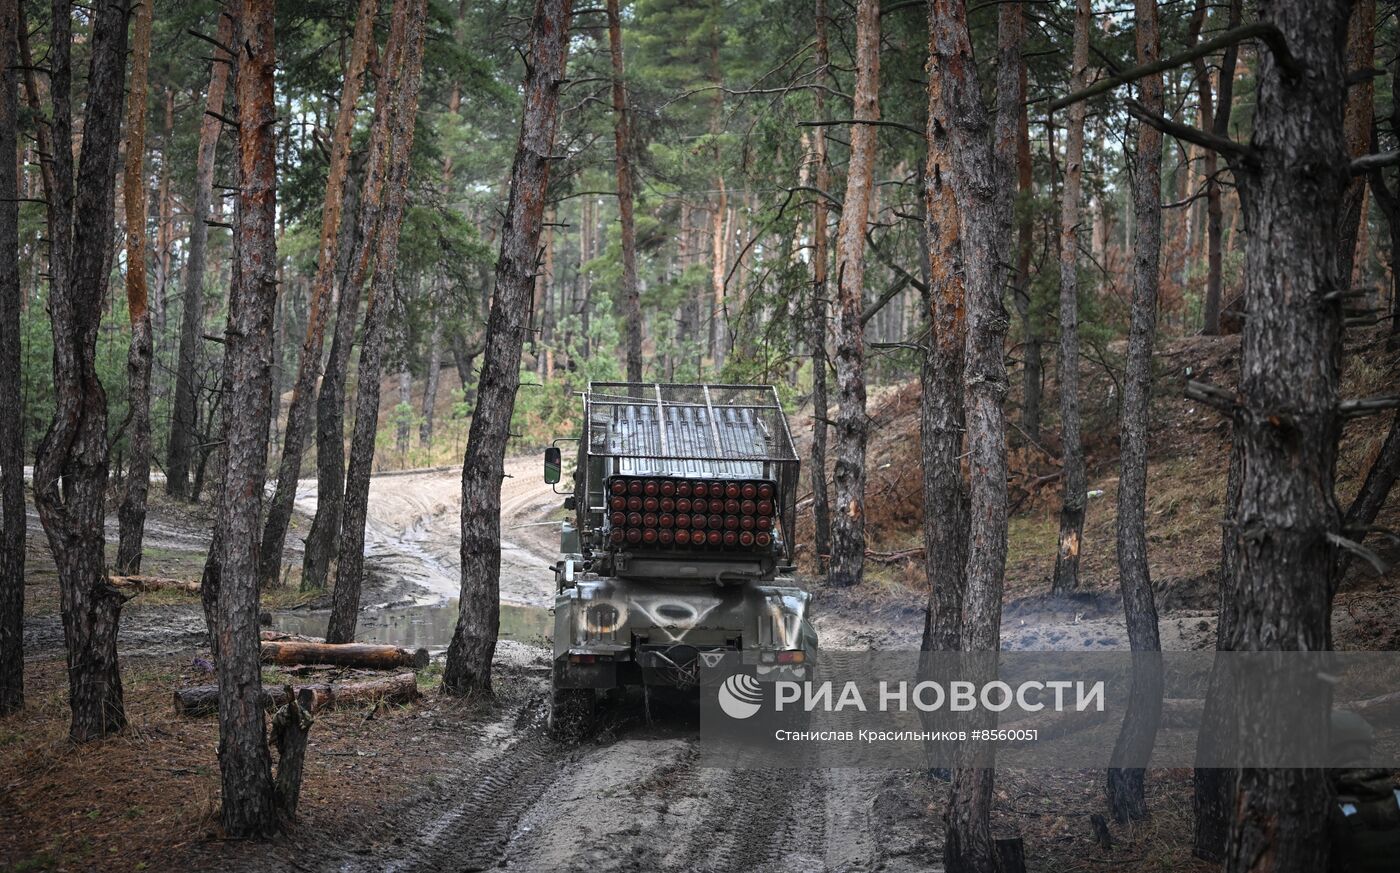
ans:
x=680 y=546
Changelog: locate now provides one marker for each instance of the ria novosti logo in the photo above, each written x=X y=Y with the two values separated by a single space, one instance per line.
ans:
x=740 y=696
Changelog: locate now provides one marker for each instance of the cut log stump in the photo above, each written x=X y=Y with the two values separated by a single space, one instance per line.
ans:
x=363 y=655
x=403 y=688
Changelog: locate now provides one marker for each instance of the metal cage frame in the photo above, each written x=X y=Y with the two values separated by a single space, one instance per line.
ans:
x=689 y=430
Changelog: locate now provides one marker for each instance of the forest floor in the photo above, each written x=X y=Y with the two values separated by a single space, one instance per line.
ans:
x=451 y=784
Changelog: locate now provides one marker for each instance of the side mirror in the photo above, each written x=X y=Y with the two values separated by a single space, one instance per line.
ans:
x=553 y=465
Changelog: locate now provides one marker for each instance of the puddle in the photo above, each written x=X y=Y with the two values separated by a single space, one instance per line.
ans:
x=427 y=626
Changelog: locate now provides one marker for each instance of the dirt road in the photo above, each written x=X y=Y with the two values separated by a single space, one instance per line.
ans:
x=631 y=797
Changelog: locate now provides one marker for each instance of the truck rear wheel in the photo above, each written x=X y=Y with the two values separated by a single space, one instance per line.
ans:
x=570 y=712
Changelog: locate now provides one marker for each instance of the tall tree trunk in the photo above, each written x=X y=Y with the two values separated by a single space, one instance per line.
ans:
x=185 y=416
x=131 y=515
x=848 y=525
x=1033 y=366
x=1215 y=118
x=323 y=539
x=473 y=644
x=350 y=560
x=70 y=470
x=165 y=220
x=1287 y=511
x=430 y=382
x=253 y=803
x=12 y=515
x=816 y=331
x=982 y=163
x=279 y=513
x=1072 y=450
x=941 y=401
x=622 y=135
x=1360 y=114
x=1125 y=787
x=403 y=423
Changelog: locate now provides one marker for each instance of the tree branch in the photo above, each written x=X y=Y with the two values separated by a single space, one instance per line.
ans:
x=1270 y=35
x=1366 y=163
x=1223 y=145
x=878 y=123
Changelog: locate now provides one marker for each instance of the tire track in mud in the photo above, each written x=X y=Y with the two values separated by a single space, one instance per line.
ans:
x=467 y=822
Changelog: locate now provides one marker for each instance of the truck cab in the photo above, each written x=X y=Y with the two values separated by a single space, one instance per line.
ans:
x=680 y=546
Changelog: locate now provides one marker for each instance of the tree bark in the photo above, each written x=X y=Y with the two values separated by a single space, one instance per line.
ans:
x=848 y=525
x=402 y=688
x=185 y=415
x=816 y=331
x=279 y=512
x=1033 y=361
x=1066 y=577
x=131 y=515
x=1125 y=786
x=622 y=136
x=12 y=514
x=70 y=470
x=1287 y=511
x=165 y=220
x=367 y=656
x=982 y=172
x=350 y=560
x=1360 y=57
x=942 y=418
x=253 y=804
x=473 y=643
x=1215 y=118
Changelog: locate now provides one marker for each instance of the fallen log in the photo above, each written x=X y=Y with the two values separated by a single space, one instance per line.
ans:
x=155 y=583
x=403 y=688
x=364 y=655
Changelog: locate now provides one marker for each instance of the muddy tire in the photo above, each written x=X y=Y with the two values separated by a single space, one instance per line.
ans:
x=570 y=713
